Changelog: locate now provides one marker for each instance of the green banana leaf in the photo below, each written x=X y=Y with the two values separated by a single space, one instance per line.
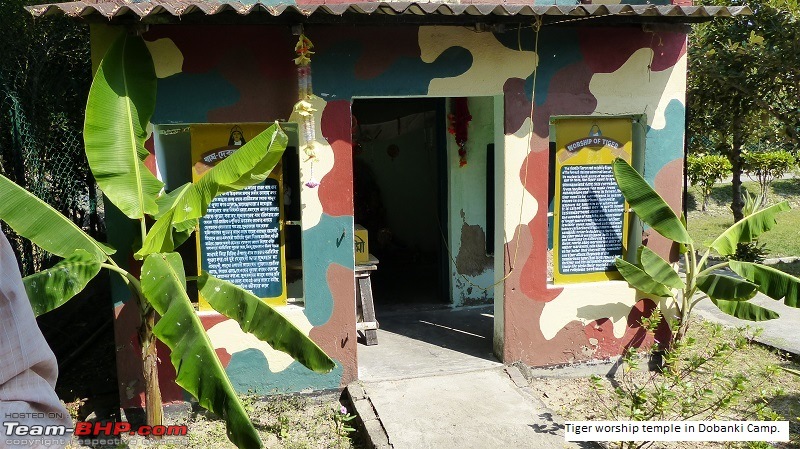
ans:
x=729 y=288
x=160 y=238
x=181 y=208
x=745 y=310
x=198 y=369
x=747 y=229
x=774 y=283
x=247 y=166
x=51 y=288
x=260 y=319
x=659 y=269
x=38 y=222
x=647 y=204
x=121 y=101
x=640 y=280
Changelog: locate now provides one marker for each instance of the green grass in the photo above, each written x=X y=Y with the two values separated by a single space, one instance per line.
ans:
x=782 y=241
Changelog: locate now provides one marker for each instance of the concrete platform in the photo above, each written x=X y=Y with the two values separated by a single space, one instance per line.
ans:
x=426 y=342
x=474 y=410
x=433 y=382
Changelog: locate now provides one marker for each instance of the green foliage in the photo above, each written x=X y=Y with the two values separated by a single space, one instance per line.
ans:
x=697 y=379
x=118 y=111
x=728 y=293
x=743 y=86
x=765 y=167
x=705 y=171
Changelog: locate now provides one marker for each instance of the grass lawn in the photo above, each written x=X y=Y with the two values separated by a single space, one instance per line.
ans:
x=782 y=241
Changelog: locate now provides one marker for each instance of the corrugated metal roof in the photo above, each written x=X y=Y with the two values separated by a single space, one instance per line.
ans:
x=143 y=10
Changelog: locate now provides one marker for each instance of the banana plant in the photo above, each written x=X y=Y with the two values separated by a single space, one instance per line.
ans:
x=120 y=104
x=654 y=276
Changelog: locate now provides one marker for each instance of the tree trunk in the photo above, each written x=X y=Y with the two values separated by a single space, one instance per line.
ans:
x=735 y=157
x=152 y=392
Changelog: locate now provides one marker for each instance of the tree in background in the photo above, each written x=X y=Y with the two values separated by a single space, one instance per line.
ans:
x=744 y=82
x=768 y=166
x=706 y=170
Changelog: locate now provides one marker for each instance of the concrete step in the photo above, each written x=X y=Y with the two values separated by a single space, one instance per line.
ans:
x=488 y=408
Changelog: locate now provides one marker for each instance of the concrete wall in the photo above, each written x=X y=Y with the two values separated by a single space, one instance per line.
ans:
x=472 y=274
x=245 y=73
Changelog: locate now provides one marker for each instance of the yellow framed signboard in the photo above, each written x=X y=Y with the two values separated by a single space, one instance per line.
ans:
x=241 y=237
x=590 y=220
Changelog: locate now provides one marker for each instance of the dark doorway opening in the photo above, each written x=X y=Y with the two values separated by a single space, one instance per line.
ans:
x=400 y=187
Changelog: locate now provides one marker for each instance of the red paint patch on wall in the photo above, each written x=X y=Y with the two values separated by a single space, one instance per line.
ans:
x=336 y=187
x=567 y=94
x=533 y=267
x=516 y=104
x=606 y=49
x=337 y=337
x=665 y=186
x=607 y=345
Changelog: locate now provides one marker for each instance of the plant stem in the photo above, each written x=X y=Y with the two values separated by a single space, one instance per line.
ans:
x=147 y=340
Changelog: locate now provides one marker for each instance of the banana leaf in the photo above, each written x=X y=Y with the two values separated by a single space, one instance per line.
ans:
x=745 y=310
x=729 y=288
x=38 y=222
x=260 y=319
x=247 y=166
x=198 y=369
x=747 y=229
x=647 y=204
x=774 y=283
x=53 y=287
x=640 y=280
x=659 y=269
x=121 y=101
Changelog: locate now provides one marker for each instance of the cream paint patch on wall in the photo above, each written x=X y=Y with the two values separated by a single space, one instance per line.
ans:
x=586 y=303
x=492 y=62
x=634 y=89
x=167 y=58
x=312 y=206
x=516 y=196
x=229 y=336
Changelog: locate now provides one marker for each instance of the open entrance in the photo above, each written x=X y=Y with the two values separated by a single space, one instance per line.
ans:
x=399 y=178
x=428 y=212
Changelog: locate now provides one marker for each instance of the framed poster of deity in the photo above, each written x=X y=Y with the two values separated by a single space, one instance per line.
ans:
x=241 y=237
x=590 y=214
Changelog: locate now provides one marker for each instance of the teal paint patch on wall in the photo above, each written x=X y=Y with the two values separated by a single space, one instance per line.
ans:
x=334 y=73
x=557 y=49
x=249 y=371
x=664 y=145
x=330 y=241
x=188 y=97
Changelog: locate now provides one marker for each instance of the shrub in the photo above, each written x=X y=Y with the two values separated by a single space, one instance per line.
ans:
x=705 y=170
x=765 y=167
x=700 y=377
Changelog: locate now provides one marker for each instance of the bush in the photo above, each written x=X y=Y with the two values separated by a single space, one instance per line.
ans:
x=705 y=171
x=765 y=167
x=700 y=377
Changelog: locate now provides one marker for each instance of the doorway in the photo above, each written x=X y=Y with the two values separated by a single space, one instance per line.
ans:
x=400 y=188
x=413 y=197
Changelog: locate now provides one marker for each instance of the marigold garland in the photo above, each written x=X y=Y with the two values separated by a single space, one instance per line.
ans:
x=459 y=118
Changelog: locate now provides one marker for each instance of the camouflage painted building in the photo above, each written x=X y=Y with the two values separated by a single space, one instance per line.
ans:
x=398 y=68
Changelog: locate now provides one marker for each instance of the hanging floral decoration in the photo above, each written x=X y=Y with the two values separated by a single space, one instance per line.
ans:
x=304 y=107
x=459 y=118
